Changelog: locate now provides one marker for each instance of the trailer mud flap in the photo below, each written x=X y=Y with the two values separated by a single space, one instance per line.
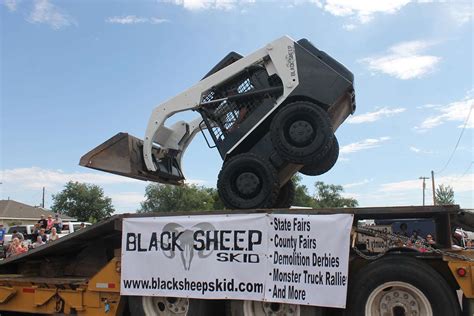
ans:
x=123 y=155
x=6 y=293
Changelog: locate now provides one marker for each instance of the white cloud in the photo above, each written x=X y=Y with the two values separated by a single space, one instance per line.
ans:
x=420 y=151
x=374 y=116
x=363 y=145
x=349 y=27
x=35 y=178
x=210 y=4
x=404 y=60
x=127 y=201
x=11 y=4
x=356 y=184
x=453 y=112
x=133 y=19
x=459 y=184
x=25 y=184
x=47 y=13
x=428 y=106
x=363 y=10
x=461 y=11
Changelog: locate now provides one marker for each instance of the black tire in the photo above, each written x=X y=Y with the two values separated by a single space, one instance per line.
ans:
x=286 y=196
x=236 y=308
x=246 y=181
x=326 y=163
x=301 y=132
x=195 y=308
x=409 y=273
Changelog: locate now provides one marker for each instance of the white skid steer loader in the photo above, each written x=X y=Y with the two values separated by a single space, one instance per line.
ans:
x=270 y=114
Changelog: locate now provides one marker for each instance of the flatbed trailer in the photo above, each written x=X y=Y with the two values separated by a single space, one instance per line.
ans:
x=80 y=274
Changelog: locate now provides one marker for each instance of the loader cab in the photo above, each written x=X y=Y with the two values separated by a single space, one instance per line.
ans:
x=232 y=109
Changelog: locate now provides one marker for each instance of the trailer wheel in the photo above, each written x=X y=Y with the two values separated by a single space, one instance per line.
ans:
x=326 y=163
x=256 y=308
x=246 y=181
x=286 y=196
x=399 y=285
x=301 y=132
x=166 y=306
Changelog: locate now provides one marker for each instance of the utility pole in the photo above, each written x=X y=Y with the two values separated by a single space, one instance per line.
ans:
x=433 y=187
x=43 y=199
x=424 y=187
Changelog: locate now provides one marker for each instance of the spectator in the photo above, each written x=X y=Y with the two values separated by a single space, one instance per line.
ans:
x=39 y=242
x=82 y=226
x=415 y=236
x=43 y=222
x=404 y=229
x=2 y=233
x=430 y=240
x=49 y=223
x=42 y=234
x=17 y=234
x=16 y=248
x=54 y=235
x=35 y=232
x=58 y=223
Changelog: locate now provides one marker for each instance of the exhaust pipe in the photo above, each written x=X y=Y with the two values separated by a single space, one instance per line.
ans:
x=123 y=155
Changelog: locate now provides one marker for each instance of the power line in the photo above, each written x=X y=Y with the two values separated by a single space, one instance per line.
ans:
x=457 y=143
x=467 y=169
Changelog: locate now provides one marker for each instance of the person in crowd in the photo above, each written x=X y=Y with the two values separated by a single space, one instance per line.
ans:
x=42 y=234
x=35 y=232
x=58 y=223
x=49 y=223
x=2 y=239
x=2 y=234
x=16 y=248
x=404 y=229
x=82 y=226
x=38 y=242
x=430 y=240
x=415 y=236
x=17 y=234
x=43 y=222
x=54 y=235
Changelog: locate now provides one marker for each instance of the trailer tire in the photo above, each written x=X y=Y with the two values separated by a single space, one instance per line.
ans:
x=301 y=132
x=403 y=284
x=256 y=308
x=164 y=306
x=246 y=181
x=327 y=161
x=286 y=196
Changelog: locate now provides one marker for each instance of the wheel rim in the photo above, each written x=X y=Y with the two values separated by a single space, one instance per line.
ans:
x=165 y=306
x=255 y=308
x=247 y=184
x=300 y=133
x=398 y=299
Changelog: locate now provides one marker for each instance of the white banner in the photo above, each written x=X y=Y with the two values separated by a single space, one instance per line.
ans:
x=298 y=259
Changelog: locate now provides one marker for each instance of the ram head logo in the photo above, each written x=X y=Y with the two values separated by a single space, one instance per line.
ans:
x=186 y=242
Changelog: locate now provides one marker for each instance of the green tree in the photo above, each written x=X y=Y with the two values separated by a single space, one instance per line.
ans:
x=444 y=195
x=302 y=197
x=169 y=198
x=83 y=201
x=330 y=195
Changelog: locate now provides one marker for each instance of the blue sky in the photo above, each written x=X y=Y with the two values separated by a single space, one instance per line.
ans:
x=74 y=73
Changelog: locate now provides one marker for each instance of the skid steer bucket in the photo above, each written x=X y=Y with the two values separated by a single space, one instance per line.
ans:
x=123 y=155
